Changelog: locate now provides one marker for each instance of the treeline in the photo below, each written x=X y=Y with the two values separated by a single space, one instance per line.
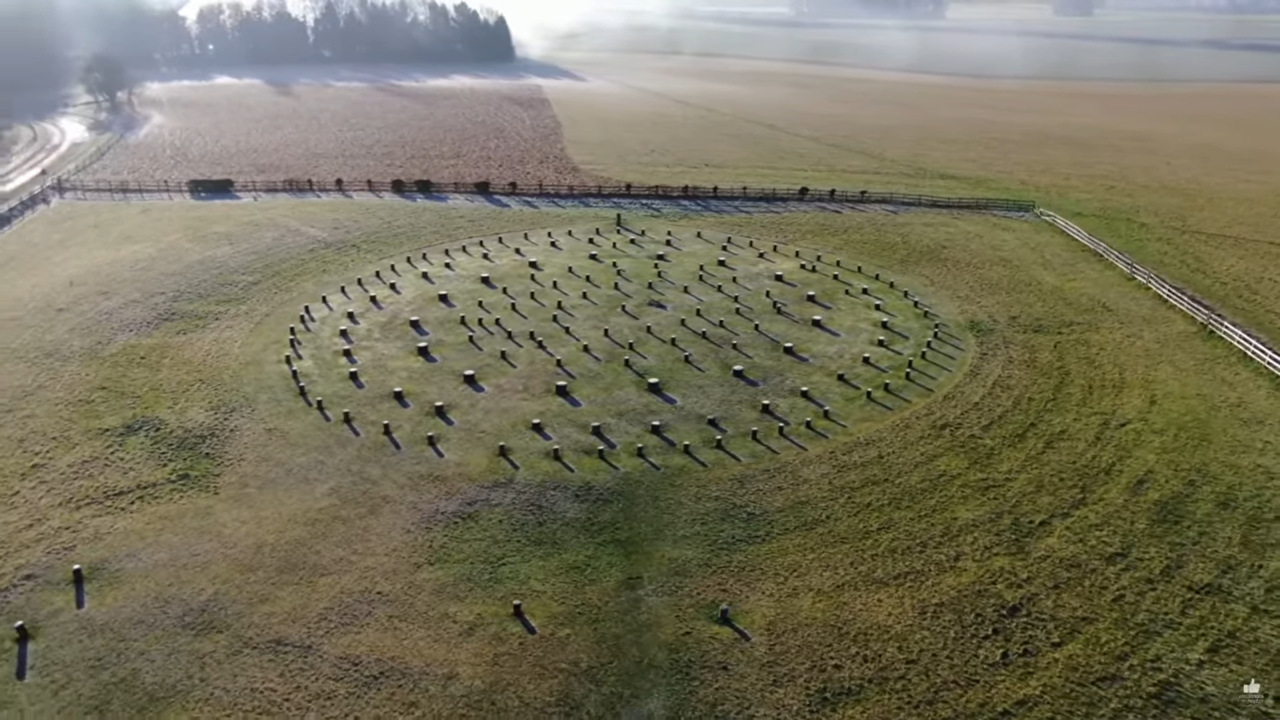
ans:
x=402 y=31
x=43 y=43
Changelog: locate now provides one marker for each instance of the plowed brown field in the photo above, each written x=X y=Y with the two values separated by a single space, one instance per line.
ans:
x=498 y=131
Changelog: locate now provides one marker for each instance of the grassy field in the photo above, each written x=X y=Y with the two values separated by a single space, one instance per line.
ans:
x=1179 y=175
x=598 y=316
x=1082 y=526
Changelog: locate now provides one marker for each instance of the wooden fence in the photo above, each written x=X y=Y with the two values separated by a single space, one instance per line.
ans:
x=616 y=191
x=1196 y=308
x=43 y=194
x=1201 y=311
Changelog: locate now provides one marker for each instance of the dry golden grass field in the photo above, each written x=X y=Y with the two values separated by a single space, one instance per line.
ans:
x=1182 y=176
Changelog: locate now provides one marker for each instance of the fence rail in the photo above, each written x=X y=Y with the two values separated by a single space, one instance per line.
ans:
x=1196 y=308
x=1201 y=311
x=43 y=194
x=616 y=191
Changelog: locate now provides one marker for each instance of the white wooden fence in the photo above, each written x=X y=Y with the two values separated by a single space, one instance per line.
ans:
x=1248 y=344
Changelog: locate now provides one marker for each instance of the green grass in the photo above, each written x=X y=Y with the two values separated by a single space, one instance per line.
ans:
x=1094 y=496
x=519 y=310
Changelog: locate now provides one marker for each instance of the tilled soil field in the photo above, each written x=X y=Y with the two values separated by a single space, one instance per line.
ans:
x=498 y=131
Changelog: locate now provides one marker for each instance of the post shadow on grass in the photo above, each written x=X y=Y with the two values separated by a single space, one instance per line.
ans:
x=444 y=416
x=603 y=437
x=571 y=399
x=800 y=357
x=898 y=332
x=403 y=402
x=519 y=312
x=948 y=341
x=395 y=441
x=24 y=651
x=877 y=401
x=723 y=619
x=787 y=436
x=829 y=330
x=933 y=349
x=627 y=295
x=448 y=302
x=77 y=582
x=517 y=610
x=662 y=435
x=650 y=462
x=471 y=339
x=817 y=431
x=511 y=461
x=693 y=455
x=815 y=402
x=351 y=425
x=919 y=384
x=662 y=395
x=895 y=393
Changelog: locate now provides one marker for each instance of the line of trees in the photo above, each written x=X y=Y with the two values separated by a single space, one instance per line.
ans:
x=44 y=43
x=400 y=31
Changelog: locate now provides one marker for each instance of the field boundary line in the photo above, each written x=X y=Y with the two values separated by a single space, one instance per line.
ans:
x=633 y=191
x=1205 y=313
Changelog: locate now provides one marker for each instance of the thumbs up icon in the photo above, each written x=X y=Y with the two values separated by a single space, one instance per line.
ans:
x=1252 y=688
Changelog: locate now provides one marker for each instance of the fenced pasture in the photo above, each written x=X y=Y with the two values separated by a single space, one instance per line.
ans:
x=230 y=537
